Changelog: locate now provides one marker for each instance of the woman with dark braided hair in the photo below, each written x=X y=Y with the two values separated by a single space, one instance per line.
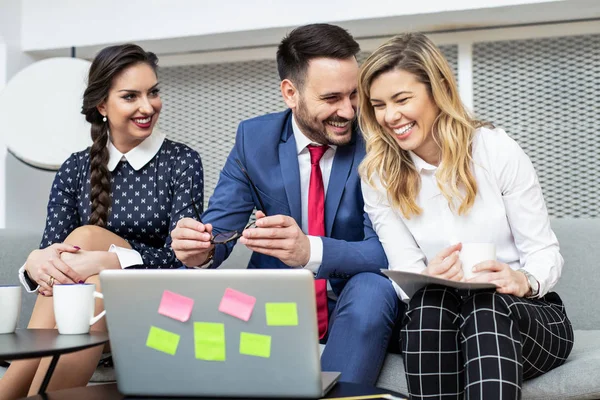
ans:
x=111 y=206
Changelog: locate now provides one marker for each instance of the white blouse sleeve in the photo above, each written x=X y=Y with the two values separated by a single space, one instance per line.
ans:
x=400 y=247
x=527 y=214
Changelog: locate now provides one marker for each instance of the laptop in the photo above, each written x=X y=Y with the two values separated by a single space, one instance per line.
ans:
x=214 y=333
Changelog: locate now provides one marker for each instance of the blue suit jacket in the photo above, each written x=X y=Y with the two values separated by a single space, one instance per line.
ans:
x=266 y=147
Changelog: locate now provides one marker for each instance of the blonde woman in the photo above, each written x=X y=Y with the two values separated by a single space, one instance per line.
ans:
x=433 y=178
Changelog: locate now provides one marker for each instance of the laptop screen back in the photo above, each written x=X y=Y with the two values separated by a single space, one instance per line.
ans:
x=184 y=332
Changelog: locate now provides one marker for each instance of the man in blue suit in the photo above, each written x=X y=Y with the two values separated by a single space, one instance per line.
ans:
x=319 y=72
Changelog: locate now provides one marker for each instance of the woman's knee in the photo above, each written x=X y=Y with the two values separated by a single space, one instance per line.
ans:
x=85 y=236
x=433 y=307
x=488 y=300
x=91 y=237
x=489 y=306
x=435 y=296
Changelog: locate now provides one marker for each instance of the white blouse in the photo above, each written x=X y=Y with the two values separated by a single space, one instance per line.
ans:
x=509 y=211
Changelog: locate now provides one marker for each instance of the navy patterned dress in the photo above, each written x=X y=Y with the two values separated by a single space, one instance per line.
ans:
x=145 y=204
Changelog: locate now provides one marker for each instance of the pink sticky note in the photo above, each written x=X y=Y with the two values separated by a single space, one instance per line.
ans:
x=237 y=304
x=176 y=306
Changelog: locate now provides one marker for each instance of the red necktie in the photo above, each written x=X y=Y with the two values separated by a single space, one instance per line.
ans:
x=316 y=227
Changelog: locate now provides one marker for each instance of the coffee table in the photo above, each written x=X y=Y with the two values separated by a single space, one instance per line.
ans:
x=35 y=343
x=110 y=392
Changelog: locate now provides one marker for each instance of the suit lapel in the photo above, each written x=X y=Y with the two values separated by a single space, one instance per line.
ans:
x=290 y=172
x=342 y=164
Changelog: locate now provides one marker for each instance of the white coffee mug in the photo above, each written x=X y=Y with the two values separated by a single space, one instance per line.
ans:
x=74 y=308
x=10 y=307
x=474 y=253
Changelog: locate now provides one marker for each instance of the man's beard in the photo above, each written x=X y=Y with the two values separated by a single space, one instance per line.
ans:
x=317 y=131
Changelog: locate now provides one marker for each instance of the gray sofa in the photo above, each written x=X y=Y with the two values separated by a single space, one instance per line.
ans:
x=578 y=378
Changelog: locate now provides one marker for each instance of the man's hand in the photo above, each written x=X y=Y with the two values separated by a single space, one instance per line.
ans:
x=45 y=263
x=507 y=279
x=191 y=241
x=278 y=236
x=446 y=264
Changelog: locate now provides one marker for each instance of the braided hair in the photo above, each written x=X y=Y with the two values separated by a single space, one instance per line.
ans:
x=109 y=63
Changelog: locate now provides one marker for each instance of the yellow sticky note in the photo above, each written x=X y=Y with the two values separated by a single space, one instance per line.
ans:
x=253 y=344
x=282 y=314
x=209 y=341
x=161 y=340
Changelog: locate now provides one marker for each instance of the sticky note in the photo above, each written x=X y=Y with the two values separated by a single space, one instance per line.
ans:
x=282 y=314
x=256 y=345
x=237 y=304
x=161 y=340
x=209 y=341
x=176 y=306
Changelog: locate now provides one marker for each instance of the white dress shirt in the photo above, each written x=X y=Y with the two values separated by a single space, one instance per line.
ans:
x=509 y=211
x=137 y=157
x=326 y=162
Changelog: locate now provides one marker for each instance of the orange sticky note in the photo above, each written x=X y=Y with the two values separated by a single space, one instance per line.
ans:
x=176 y=306
x=237 y=304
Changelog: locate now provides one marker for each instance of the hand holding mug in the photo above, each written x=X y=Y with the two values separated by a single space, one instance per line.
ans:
x=508 y=280
x=446 y=264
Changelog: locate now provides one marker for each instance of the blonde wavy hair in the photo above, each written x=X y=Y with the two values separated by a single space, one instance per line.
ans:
x=452 y=129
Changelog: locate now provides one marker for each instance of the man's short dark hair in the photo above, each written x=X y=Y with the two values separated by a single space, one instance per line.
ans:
x=312 y=41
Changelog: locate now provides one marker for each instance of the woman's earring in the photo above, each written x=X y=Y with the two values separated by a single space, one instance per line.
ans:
x=104 y=119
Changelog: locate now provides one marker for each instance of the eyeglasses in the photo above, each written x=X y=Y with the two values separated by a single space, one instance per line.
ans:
x=226 y=237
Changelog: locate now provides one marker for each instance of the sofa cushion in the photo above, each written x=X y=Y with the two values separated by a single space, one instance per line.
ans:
x=578 y=378
x=578 y=284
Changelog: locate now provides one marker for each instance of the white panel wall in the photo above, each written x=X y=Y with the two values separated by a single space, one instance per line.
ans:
x=3 y=79
x=86 y=23
x=175 y=26
x=241 y=30
x=12 y=60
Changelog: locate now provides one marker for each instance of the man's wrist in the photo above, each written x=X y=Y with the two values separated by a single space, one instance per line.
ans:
x=208 y=260
x=315 y=254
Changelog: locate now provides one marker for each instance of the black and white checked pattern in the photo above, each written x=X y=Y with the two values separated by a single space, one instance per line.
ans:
x=481 y=344
x=145 y=204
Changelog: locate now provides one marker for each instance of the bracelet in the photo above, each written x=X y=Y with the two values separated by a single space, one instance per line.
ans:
x=29 y=281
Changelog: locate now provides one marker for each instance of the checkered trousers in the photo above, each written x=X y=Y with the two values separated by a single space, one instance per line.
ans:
x=480 y=344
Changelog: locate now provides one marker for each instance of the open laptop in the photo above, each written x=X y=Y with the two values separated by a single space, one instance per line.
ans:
x=197 y=350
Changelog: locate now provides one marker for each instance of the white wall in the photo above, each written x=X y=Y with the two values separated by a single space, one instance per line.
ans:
x=12 y=60
x=3 y=80
x=176 y=26
x=35 y=29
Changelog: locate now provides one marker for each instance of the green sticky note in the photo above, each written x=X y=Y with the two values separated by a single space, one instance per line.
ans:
x=282 y=314
x=256 y=345
x=209 y=341
x=161 y=340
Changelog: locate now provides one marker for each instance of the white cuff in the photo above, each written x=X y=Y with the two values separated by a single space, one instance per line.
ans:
x=24 y=281
x=316 y=254
x=127 y=257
